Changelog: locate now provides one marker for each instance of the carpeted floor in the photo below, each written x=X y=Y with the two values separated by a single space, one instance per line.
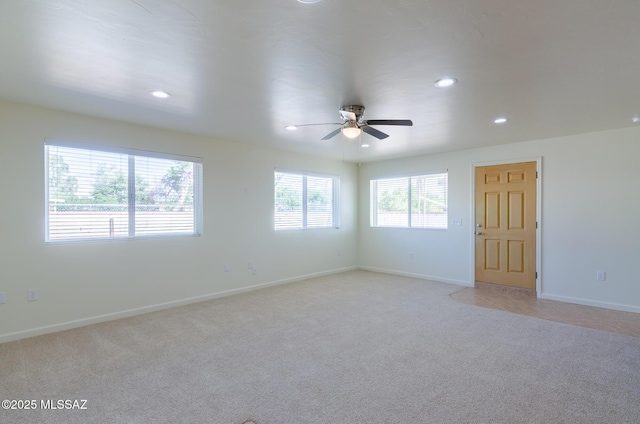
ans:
x=357 y=347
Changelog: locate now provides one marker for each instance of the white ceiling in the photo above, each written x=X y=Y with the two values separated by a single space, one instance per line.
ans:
x=242 y=70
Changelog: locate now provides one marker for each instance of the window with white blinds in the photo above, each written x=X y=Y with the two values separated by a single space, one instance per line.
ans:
x=305 y=200
x=418 y=201
x=99 y=194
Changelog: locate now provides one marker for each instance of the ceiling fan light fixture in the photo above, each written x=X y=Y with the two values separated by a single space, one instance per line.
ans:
x=501 y=120
x=291 y=127
x=351 y=131
x=445 y=82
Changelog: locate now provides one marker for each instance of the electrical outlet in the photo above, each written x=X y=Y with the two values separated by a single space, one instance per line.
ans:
x=227 y=267
x=601 y=275
x=250 y=265
x=32 y=295
x=410 y=255
x=254 y=271
x=3 y=297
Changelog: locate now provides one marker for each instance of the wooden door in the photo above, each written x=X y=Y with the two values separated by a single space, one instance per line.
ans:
x=505 y=227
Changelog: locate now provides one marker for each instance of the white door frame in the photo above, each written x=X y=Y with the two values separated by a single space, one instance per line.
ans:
x=472 y=220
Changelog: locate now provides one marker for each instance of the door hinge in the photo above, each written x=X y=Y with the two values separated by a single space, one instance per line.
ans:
x=536 y=275
x=536 y=174
x=536 y=225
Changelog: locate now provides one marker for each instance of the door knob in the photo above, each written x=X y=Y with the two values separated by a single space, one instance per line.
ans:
x=478 y=233
x=478 y=225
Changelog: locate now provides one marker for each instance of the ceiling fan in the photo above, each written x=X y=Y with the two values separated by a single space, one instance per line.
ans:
x=353 y=123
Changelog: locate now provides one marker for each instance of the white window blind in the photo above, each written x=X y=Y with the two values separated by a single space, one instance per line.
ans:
x=392 y=205
x=95 y=194
x=288 y=201
x=319 y=202
x=304 y=200
x=410 y=202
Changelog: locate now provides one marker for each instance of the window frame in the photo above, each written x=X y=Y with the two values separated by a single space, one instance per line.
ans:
x=132 y=153
x=373 y=201
x=335 y=192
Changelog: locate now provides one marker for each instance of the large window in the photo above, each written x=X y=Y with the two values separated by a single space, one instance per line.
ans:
x=305 y=200
x=115 y=193
x=418 y=201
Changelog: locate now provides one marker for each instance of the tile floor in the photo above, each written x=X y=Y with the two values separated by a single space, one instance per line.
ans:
x=525 y=302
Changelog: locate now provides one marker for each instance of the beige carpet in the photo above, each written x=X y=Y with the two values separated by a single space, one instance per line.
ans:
x=357 y=347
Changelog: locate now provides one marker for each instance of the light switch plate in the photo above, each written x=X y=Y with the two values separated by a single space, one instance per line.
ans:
x=32 y=295
x=3 y=297
x=457 y=221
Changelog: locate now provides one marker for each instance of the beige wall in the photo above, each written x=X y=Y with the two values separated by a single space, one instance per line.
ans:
x=85 y=282
x=589 y=207
x=590 y=203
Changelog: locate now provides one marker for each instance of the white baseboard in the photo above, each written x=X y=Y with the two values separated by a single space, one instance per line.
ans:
x=420 y=276
x=151 y=308
x=588 y=302
x=9 y=337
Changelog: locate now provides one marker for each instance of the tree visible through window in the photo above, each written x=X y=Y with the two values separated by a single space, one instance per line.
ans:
x=304 y=200
x=417 y=201
x=101 y=194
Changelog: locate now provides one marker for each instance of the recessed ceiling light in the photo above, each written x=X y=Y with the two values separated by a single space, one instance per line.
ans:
x=291 y=127
x=364 y=144
x=636 y=119
x=445 y=82
x=500 y=120
x=309 y=1
x=160 y=94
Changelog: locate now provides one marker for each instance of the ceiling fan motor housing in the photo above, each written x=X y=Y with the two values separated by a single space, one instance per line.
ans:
x=355 y=109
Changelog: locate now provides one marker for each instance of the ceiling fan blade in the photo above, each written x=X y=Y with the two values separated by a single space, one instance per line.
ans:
x=349 y=116
x=311 y=125
x=374 y=132
x=403 y=122
x=331 y=134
